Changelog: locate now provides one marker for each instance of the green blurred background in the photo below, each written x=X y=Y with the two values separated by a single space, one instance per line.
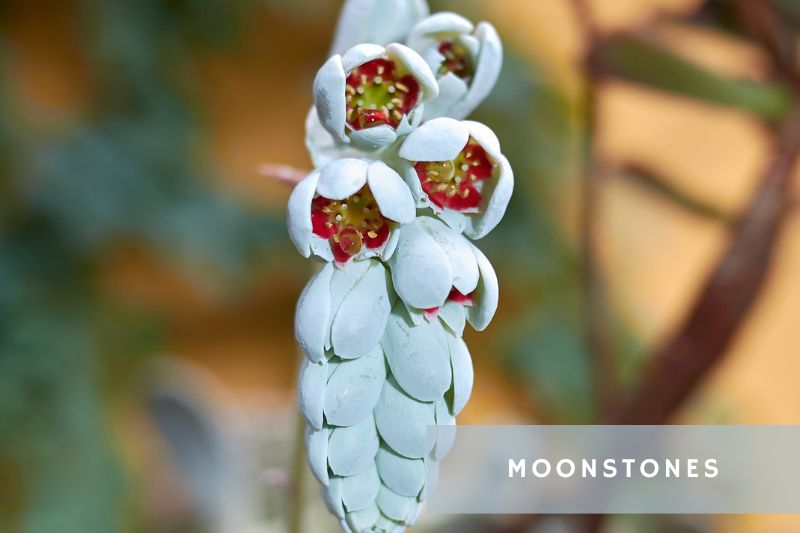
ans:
x=147 y=284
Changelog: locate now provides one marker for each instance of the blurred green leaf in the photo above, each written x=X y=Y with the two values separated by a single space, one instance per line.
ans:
x=638 y=60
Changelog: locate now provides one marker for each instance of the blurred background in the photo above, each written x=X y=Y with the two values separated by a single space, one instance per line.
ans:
x=147 y=283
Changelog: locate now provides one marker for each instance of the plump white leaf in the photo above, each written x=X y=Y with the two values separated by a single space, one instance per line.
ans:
x=454 y=315
x=342 y=178
x=312 y=384
x=359 y=491
x=354 y=389
x=421 y=271
x=317 y=449
x=444 y=439
x=440 y=139
x=391 y=193
x=418 y=360
x=431 y=479
x=360 y=320
x=393 y=505
x=352 y=449
x=298 y=213
x=329 y=97
x=463 y=374
x=332 y=494
x=404 y=476
x=403 y=421
x=387 y=525
x=363 y=520
x=313 y=314
x=487 y=295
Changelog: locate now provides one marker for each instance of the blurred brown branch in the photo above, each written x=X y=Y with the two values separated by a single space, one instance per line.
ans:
x=286 y=174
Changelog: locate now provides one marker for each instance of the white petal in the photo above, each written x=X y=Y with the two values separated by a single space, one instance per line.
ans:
x=452 y=90
x=362 y=521
x=342 y=178
x=463 y=374
x=359 y=491
x=417 y=67
x=440 y=139
x=411 y=179
x=485 y=137
x=459 y=252
x=329 y=97
x=391 y=193
x=443 y=22
x=360 y=54
x=321 y=248
x=352 y=449
x=359 y=322
x=403 y=421
x=317 y=448
x=312 y=384
x=391 y=245
x=499 y=192
x=332 y=495
x=393 y=505
x=354 y=389
x=322 y=146
x=421 y=271
x=298 y=213
x=313 y=314
x=374 y=138
x=444 y=439
x=411 y=121
x=487 y=70
x=418 y=361
x=456 y=220
x=376 y=21
x=486 y=296
x=404 y=476
x=454 y=315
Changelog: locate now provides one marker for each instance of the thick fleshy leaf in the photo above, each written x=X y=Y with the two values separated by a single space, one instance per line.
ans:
x=440 y=139
x=376 y=21
x=387 y=525
x=360 y=320
x=404 y=476
x=313 y=314
x=499 y=195
x=417 y=67
x=463 y=374
x=298 y=213
x=421 y=270
x=332 y=494
x=317 y=449
x=486 y=296
x=403 y=421
x=391 y=193
x=352 y=449
x=329 y=100
x=459 y=252
x=393 y=505
x=431 y=479
x=418 y=360
x=454 y=315
x=444 y=439
x=413 y=514
x=354 y=389
x=312 y=384
x=360 y=490
x=363 y=520
x=342 y=178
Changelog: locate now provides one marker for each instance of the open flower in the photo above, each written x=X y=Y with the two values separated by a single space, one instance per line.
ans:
x=437 y=272
x=349 y=209
x=370 y=95
x=456 y=168
x=466 y=62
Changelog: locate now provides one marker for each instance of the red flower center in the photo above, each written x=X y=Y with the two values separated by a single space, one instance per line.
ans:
x=378 y=93
x=349 y=224
x=456 y=184
x=456 y=59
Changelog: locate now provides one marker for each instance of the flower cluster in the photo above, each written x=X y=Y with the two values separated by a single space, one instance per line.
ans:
x=402 y=187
